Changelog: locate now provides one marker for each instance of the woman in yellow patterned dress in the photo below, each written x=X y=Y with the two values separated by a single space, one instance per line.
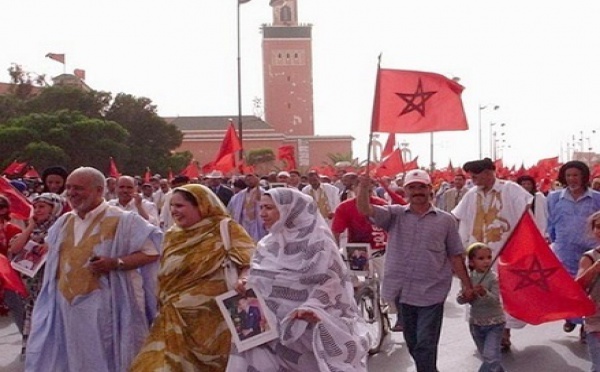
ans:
x=189 y=333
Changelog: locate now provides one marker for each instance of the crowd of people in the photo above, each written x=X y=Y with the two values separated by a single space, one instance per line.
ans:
x=132 y=268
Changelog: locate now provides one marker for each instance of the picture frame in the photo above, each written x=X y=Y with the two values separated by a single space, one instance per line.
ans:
x=30 y=259
x=357 y=257
x=248 y=318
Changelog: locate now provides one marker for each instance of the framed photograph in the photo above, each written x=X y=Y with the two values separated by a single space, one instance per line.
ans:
x=250 y=321
x=273 y=185
x=357 y=256
x=31 y=258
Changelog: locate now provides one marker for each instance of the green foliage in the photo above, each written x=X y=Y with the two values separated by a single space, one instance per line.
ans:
x=73 y=127
x=258 y=156
x=92 y=104
x=81 y=140
x=151 y=138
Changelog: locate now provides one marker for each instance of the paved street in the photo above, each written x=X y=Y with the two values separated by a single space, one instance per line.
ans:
x=544 y=348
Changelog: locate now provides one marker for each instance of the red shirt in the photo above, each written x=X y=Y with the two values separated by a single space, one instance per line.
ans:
x=360 y=230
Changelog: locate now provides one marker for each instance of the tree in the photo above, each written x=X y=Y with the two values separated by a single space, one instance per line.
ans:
x=81 y=140
x=25 y=81
x=149 y=134
x=92 y=104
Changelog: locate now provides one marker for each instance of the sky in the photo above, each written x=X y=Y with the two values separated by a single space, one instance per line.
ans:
x=537 y=60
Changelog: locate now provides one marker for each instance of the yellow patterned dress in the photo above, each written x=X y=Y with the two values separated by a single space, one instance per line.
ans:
x=189 y=333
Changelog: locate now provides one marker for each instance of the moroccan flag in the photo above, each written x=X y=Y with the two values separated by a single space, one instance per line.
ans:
x=191 y=170
x=411 y=164
x=534 y=285
x=57 y=57
x=10 y=279
x=79 y=73
x=416 y=102
x=15 y=168
x=287 y=154
x=112 y=169
x=389 y=145
x=225 y=159
x=548 y=163
x=31 y=173
x=20 y=207
x=391 y=165
x=147 y=175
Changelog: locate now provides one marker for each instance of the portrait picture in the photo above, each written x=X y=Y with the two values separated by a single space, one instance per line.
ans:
x=249 y=320
x=31 y=258
x=357 y=257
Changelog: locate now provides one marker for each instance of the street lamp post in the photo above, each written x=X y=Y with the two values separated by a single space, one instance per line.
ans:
x=481 y=108
x=493 y=138
x=239 y=77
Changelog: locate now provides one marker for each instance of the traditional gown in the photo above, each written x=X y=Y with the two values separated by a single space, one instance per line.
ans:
x=298 y=266
x=190 y=333
x=85 y=322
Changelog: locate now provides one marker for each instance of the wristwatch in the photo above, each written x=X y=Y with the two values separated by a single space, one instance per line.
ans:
x=120 y=264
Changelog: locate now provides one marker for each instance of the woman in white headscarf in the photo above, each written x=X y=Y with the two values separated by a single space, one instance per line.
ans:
x=47 y=207
x=299 y=271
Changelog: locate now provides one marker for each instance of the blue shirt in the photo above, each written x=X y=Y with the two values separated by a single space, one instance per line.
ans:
x=417 y=260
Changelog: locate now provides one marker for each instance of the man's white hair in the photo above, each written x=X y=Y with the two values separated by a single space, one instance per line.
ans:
x=97 y=178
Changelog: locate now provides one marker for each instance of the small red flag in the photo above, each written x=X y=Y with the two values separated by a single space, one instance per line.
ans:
x=57 y=57
x=10 y=279
x=534 y=285
x=191 y=170
x=31 y=173
x=391 y=165
x=225 y=159
x=112 y=169
x=20 y=206
x=389 y=145
x=287 y=154
x=417 y=102
x=79 y=73
x=413 y=164
x=147 y=175
x=15 y=168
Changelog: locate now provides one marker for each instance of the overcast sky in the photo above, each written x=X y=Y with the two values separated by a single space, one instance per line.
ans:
x=538 y=60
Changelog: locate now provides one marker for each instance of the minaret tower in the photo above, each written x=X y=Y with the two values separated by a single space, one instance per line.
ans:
x=287 y=71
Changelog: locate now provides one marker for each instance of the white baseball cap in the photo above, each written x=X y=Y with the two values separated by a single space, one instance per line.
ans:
x=417 y=176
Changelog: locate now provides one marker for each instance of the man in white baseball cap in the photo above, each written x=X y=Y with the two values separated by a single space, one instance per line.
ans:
x=423 y=250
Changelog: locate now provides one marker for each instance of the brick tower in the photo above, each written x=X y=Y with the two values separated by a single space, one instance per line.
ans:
x=287 y=71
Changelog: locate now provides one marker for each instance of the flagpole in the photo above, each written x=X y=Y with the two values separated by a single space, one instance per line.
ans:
x=239 y=80
x=432 y=165
x=373 y=118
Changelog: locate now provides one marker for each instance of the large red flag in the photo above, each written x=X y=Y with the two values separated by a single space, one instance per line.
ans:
x=20 y=206
x=10 y=279
x=416 y=102
x=548 y=163
x=225 y=159
x=57 y=57
x=287 y=154
x=112 y=169
x=389 y=145
x=391 y=165
x=534 y=285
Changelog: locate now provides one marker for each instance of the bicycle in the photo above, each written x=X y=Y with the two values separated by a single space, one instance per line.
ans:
x=371 y=307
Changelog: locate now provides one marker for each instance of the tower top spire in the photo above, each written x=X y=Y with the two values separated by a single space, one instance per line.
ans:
x=285 y=12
